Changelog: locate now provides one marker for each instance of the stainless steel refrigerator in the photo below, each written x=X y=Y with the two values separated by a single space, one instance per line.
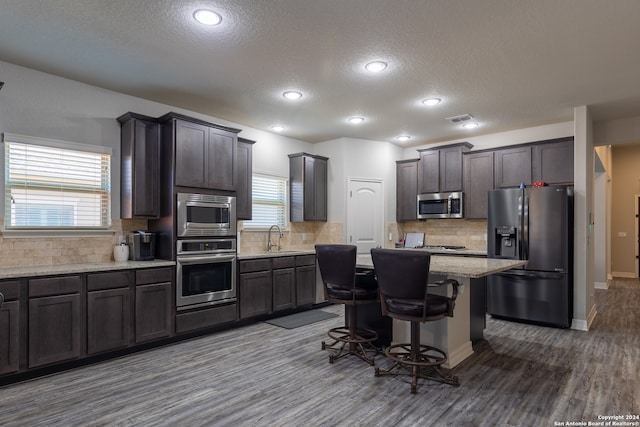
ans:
x=534 y=224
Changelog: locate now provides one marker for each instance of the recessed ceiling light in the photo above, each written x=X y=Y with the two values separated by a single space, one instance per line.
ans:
x=376 y=66
x=355 y=120
x=278 y=128
x=470 y=125
x=207 y=17
x=292 y=94
x=403 y=138
x=431 y=101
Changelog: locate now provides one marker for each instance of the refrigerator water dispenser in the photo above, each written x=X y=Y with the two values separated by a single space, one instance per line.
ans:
x=506 y=245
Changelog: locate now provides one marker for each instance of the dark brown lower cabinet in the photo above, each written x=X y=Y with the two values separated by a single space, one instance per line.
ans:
x=109 y=311
x=9 y=337
x=255 y=285
x=255 y=291
x=10 y=327
x=108 y=320
x=206 y=317
x=284 y=283
x=49 y=320
x=305 y=280
x=55 y=329
x=154 y=304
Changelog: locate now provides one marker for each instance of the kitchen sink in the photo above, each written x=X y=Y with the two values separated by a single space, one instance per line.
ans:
x=280 y=252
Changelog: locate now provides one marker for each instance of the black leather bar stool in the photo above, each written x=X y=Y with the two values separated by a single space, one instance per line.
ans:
x=403 y=283
x=337 y=265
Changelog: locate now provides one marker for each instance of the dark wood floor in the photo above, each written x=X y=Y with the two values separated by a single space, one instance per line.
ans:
x=263 y=375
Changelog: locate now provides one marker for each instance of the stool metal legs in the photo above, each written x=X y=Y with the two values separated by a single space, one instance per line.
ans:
x=351 y=340
x=417 y=361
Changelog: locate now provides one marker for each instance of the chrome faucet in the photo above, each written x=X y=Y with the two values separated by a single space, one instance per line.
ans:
x=271 y=245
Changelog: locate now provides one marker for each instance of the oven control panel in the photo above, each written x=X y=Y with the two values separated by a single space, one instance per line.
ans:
x=206 y=246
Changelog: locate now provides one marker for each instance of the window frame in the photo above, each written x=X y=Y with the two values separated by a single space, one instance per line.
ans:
x=9 y=230
x=246 y=225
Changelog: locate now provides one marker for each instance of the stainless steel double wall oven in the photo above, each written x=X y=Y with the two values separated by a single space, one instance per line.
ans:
x=206 y=250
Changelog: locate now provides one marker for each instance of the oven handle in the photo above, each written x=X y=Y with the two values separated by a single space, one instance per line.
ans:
x=217 y=205
x=195 y=259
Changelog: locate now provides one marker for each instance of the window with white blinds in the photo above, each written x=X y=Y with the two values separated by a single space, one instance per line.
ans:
x=56 y=185
x=269 y=198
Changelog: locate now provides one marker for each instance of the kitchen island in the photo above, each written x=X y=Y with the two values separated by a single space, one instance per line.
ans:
x=451 y=334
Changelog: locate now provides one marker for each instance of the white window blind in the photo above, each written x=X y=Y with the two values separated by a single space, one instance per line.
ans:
x=56 y=184
x=269 y=197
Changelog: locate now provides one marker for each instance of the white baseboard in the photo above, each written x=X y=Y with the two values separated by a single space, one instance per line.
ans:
x=584 y=325
x=458 y=355
x=624 y=274
x=579 y=325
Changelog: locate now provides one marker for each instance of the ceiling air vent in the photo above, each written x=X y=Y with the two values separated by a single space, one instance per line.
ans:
x=462 y=118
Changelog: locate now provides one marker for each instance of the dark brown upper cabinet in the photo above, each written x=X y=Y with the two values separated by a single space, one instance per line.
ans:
x=513 y=167
x=205 y=157
x=549 y=161
x=552 y=162
x=429 y=171
x=478 y=180
x=205 y=154
x=440 y=169
x=407 y=190
x=244 y=183
x=308 y=175
x=139 y=166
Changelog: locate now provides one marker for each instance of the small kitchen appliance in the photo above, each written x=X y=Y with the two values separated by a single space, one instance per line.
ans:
x=143 y=245
x=440 y=205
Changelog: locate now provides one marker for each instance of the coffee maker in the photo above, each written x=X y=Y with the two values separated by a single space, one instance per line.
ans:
x=143 y=245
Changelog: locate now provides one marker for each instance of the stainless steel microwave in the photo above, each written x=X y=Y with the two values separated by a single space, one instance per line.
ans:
x=440 y=205
x=205 y=215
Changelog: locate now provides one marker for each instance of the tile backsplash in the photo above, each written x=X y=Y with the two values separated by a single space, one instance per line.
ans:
x=299 y=236
x=461 y=232
x=15 y=252
x=469 y=233
x=19 y=252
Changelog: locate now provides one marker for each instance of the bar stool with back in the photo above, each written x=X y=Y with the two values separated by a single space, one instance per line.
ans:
x=403 y=284
x=337 y=265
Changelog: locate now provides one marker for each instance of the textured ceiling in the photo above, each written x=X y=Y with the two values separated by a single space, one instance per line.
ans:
x=511 y=64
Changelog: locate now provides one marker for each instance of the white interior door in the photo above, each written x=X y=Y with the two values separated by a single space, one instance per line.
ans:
x=365 y=213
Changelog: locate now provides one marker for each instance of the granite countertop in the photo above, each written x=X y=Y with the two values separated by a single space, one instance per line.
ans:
x=294 y=252
x=472 y=267
x=45 y=270
x=444 y=251
x=286 y=252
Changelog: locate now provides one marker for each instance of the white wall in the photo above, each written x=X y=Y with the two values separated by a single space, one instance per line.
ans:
x=600 y=230
x=270 y=153
x=617 y=131
x=501 y=139
x=584 y=309
x=37 y=104
x=359 y=158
